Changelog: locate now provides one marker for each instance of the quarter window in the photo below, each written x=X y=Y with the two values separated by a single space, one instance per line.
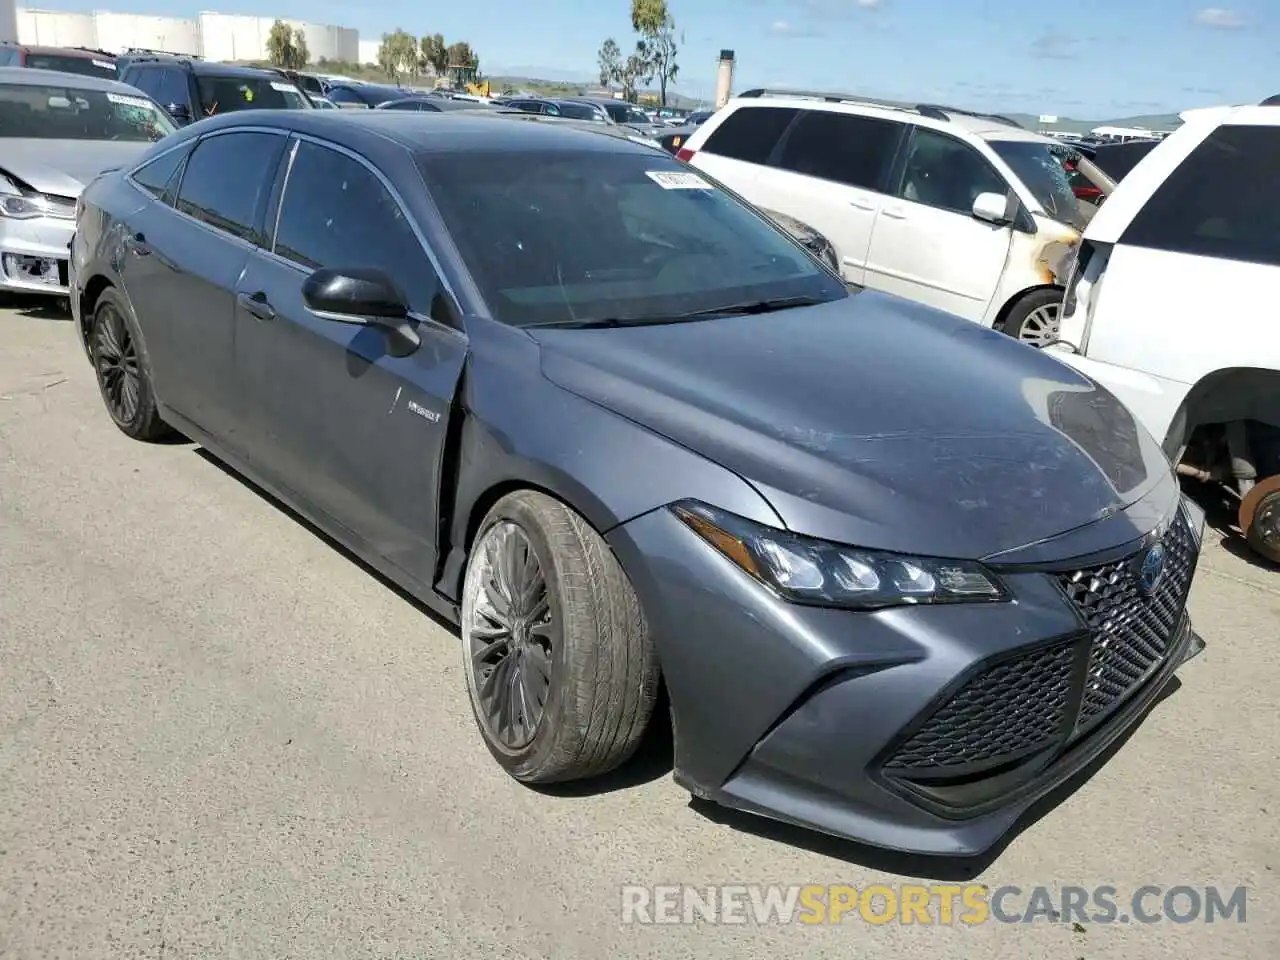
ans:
x=945 y=173
x=226 y=180
x=161 y=173
x=750 y=133
x=1222 y=201
x=843 y=148
x=337 y=213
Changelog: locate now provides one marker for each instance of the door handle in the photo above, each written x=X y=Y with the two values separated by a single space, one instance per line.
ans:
x=862 y=203
x=257 y=304
x=137 y=245
x=895 y=213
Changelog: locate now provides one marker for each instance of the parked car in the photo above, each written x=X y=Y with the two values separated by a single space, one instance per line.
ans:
x=628 y=114
x=1163 y=306
x=673 y=139
x=363 y=96
x=190 y=88
x=965 y=212
x=425 y=104
x=82 y=60
x=899 y=575
x=535 y=105
x=1116 y=160
x=57 y=132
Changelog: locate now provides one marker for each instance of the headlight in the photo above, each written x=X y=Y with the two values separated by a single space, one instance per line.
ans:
x=16 y=205
x=812 y=571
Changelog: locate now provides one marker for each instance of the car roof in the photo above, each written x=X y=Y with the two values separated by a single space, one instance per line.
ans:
x=82 y=53
x=28 y=76
x=457 y=131
x=201 y=67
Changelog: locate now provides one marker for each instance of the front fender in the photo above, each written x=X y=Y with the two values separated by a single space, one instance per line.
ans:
x=517 y=429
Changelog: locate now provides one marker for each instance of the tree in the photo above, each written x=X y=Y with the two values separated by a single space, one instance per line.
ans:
x=610 y=63
x=287 y=47
x=398 y=54
x=434 y=53
x=653 y=21
x=637 y=71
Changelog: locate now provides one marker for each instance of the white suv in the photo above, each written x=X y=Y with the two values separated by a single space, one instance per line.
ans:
x=1170 y=305
x=966 y=212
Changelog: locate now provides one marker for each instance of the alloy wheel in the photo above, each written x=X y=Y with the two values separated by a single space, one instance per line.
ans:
x=508 y=636
x=116 y=360
x=1040 y=326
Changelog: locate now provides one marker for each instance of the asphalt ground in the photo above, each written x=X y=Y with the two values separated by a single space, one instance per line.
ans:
x=221 y=736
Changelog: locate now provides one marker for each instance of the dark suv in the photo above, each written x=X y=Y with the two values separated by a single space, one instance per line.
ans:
x=191 y=88
x=81 y=60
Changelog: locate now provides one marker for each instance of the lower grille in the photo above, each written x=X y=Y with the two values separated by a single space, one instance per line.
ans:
x=1036 y=699
x=1131 y=632
x=1010 y=710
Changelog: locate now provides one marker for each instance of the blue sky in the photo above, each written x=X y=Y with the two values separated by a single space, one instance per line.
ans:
x=1090 y=59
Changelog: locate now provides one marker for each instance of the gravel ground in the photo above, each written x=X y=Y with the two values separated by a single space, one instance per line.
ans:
x=221 y=736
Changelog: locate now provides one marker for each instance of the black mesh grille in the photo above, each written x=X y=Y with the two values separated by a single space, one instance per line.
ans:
x=1006 y=711
x=1131 y=632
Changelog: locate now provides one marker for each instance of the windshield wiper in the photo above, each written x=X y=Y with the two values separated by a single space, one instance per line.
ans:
x=731 y=310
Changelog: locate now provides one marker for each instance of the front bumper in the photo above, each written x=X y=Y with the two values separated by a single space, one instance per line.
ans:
x=926 y=729
x=35 y=254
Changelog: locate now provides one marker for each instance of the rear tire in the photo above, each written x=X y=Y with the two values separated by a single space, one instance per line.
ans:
x=123 y=370
x=1034 y=318
x=560 y=667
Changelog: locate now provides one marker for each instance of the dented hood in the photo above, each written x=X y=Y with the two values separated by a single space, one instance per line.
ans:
x=876 y=422
x=64 y=167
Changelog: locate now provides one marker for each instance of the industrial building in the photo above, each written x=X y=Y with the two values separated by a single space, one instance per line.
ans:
x=213 y=36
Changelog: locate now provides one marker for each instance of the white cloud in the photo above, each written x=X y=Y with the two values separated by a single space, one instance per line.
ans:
x=784 y=28
x=1220 y=18
x=868 y=4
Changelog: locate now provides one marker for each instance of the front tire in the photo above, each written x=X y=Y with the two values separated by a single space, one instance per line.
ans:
x=123 y=371
x=560 y=667
x=1035 y=318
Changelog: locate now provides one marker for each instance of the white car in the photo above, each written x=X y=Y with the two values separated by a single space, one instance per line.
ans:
x=1170 y=305
x=965 y=212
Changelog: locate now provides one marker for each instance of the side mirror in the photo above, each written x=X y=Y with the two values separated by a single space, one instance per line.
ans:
x=363 y=295
x=992 y=208
x=180 y=112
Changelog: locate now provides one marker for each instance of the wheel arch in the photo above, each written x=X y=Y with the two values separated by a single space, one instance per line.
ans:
x=89 y=301
x=1225 y=395
x=1003 y=315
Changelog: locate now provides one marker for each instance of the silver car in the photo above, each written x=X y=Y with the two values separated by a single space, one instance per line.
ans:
x=58 y=131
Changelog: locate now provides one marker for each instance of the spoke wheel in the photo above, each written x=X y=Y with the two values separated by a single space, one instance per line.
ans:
x=1040 y=326
x=510 y=637
x=117 y=364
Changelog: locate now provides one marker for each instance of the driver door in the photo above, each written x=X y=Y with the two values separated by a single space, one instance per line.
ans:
x=351 y=430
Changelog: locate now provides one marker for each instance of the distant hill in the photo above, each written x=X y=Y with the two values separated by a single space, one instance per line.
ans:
x=1164 y=121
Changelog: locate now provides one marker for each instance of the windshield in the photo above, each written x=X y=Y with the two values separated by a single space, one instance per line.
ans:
x=1060 y=177
x=625 y=113
x=225 y=94
x=61 y=112
x=84 y=66
x=579 y=111
x=591 y=235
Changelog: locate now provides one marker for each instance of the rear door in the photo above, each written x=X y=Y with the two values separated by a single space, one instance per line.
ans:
x=738 y=148
x=182 y=268
x=830 y=173
x=927 y=246
x=353 y=431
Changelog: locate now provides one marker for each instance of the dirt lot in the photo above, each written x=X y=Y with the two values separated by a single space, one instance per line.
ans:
x=220 y=736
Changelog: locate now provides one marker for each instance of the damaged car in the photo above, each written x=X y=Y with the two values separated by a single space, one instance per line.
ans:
x=965 y=212
x=57 y=132
x=899 y=575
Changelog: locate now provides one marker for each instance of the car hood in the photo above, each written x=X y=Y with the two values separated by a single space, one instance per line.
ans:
x=64 y=167
x=876 y=421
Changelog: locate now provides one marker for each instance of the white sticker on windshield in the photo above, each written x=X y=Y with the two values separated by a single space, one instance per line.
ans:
x=104 y=64
x=121 y=99
x=283 y=87
x=677 y=180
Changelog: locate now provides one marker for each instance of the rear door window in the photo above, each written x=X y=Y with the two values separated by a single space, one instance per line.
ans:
x=1222 y=201
x=843 y=148
x=750 y=133
x=226 y=181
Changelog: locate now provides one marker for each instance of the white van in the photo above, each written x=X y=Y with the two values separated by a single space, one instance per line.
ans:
x=966 y=212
